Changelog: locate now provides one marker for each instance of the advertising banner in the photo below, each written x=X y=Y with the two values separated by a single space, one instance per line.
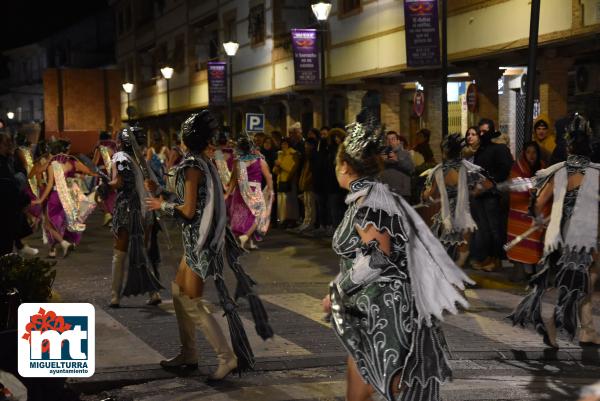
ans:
x=306 y=56
x=217 y=83
x=422 y=33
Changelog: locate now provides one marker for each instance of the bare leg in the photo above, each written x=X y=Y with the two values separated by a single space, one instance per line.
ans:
x=356 y=388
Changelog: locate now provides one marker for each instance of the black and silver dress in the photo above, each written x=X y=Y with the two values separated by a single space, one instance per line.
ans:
x=209 y=245
x=130 y=214
x=452 y=234
x=566 y=262
x=386 y=309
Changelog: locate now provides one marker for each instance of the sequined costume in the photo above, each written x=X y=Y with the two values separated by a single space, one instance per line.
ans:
x=449 y=224
x=248 y=203
x=571 y=238
x=130 y=215
x=386 y=309
x=209 y=245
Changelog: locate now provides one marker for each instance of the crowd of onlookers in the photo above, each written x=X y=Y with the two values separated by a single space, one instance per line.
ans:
x=310 y=201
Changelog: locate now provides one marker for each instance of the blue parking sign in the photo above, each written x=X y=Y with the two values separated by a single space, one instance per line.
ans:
x=255 y=122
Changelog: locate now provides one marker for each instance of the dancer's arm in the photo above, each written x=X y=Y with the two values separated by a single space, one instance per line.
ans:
x=82 y=168
x=544 y=196
x=193 y=177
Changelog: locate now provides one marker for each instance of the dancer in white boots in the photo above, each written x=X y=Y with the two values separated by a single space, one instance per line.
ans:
x=131 y=222
x=208 y=244
x=569 y=262
x=452 y=181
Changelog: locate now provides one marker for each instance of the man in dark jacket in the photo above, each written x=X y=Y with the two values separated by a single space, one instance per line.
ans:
x=490 y=212
x=398 y=166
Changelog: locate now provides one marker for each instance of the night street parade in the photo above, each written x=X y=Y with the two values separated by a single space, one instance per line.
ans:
x=300 y=200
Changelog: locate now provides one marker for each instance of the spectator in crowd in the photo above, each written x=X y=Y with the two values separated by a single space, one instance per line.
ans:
x=13 y=200
x=276 y=135
x=398 y=166
x=424 y=149
x=269 y=152
x=544 y=136
x=559 y=154
x=296 y=140
x=306 y=185
x=473 y=141
x=490 y=216
x=336 y=195
x=528 y=252
x=323 y=176
x=258 y=139
x=286 y=167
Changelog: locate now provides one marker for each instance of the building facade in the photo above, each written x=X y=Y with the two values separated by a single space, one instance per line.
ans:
x=88 y=44
x=365 y=56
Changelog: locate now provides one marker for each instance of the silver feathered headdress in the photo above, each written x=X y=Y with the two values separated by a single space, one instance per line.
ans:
x=363 y=136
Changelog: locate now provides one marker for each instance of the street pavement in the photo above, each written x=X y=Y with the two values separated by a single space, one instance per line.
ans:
x=491 y=360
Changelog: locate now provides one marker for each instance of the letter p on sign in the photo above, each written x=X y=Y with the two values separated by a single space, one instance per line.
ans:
x=255 y=122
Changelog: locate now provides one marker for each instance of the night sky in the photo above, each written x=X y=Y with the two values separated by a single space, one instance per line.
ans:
x=25 y=21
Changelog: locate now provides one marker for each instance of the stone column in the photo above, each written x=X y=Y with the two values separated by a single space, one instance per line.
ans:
x=390 y=107
x=432 y=118
x=354 y=101
x=553 y=84
x=486 y=76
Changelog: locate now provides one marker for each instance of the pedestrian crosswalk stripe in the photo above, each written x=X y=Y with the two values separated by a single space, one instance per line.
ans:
x=274 y=347
x=300 y=303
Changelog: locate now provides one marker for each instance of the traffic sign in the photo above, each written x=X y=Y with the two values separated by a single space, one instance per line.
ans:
x=255 y=122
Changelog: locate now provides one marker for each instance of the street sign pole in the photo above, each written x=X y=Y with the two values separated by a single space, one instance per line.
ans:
x=444 y=5
x=531 y=69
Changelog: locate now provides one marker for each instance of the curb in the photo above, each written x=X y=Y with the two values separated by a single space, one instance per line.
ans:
x=111 y=378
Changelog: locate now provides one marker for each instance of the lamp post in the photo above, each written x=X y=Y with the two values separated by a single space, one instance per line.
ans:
x=167 y=73
x=321 y=11
x=231 y=49
x=128 y=88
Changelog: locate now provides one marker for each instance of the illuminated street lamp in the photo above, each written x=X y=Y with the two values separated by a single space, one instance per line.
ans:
x=128 y=88
x=167 y=73
x=321 y=11
x=10 y=115
x=231 y=49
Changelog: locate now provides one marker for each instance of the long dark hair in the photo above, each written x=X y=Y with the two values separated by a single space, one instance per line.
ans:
x=537 y=165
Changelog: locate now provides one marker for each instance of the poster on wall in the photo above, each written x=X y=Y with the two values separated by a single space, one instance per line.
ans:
x=306 y=57
x=217 y=83
x=422 y=33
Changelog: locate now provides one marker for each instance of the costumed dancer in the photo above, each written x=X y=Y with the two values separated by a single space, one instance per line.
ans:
x=223 y=159
x=452 y=181
x=208 y=245
x=66 y=207
x=105 y=149
x=131 y=224
x=569 y=262
x=249 y=208
x=396 y=281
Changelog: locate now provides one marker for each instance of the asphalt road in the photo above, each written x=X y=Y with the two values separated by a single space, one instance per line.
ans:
x=491 y=359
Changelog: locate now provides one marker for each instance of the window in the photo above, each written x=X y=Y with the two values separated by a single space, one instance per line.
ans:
x=179 y=53
x=146 y=65
x=161 y=58
x=204 y=42
x=127 y=17
x=348 y=6
x=256 y=25
x=145 y=11
x=229 y=27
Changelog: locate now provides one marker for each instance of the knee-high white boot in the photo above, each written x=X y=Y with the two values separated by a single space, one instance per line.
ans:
x=198 y=312
x=587 y=333
x=188 y=354
x=118 y=270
